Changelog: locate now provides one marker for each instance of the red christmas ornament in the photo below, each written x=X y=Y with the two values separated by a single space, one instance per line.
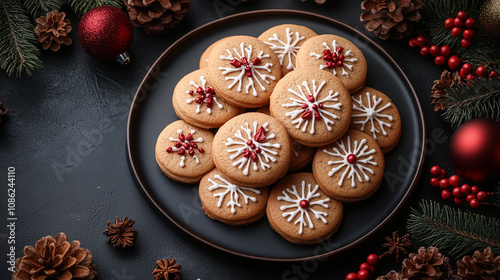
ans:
x=105 y=33
x=475 y=150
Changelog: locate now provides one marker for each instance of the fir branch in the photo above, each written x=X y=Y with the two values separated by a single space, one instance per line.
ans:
x=18 y=49
x=81 y=7
x=480 y=99
x=453 y=229
x=33 y=6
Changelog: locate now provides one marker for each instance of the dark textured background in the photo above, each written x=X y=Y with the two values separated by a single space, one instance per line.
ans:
x=65 y=134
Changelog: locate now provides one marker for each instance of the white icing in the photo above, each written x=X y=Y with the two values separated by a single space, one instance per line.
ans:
x=289 y=48
x=263 y=158
x=304 y=105
x=371 y=113
x=203 y=86
x=255 y=69
x=348 y=57
x=234 y=192
x=363 y=156
x=188 y=142
x=294 y=198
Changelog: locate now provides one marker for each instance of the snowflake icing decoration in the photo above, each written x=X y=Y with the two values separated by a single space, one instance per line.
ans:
x=234 y=192
x=247 y=68
x=301 y=203
x=205 y=95
x=310 y=108
x=253 y=148
x=353 y=159
x=371 y=113
x=336 y=58
x=289 y=48
x=185 y=144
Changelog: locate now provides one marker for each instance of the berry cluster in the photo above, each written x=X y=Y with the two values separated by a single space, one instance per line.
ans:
x=457 y=25
x=451 y=188
x=442 y=55
x=467 y=72
x=365 y=269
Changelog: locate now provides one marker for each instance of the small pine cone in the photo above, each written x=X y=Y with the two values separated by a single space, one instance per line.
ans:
x=392 y=275
x=53 y=30
x=55 y=258
x=427 y=264
x=448 y=79
x=319 y=2
x=3 y=110
x=391 y=18
x=156 y=16
x=121 y=233
x=481 y=266
x=167 y=270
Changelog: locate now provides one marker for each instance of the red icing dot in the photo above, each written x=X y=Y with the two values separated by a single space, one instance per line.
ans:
x=304 y=204
x=352 y=159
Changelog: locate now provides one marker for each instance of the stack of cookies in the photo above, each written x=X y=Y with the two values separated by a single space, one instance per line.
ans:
x=261 y=109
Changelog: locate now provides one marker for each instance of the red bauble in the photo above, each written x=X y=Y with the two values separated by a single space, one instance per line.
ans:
x=105 y=33
x=475 y=150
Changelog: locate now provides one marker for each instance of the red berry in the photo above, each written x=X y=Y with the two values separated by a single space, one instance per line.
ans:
x=474 y=189
x=434 y=182
x=482 y=71
x=434 y=50
x=454 y=62
x=458 y=22
x=372 y=259
x=445 y=194
x=351 y=276
x=440 y=60
x=470 y=22
x=454 y=180
x=468 y=34
x=465 y=189
x=467 y=68
x=457 y=200
x=493 y=74
x=412 y=43
x=435 y=170
x=444 y=183
x=466 y=43
x=364 y=266
x=470 y=197
x=442 y=175
x=456 y=31
x=462 y=15
x=462 y=73
x=474 y=203
x=449 y=23
x=482 y=195
x=445 y=50
x=424 y=50
x=456 y=192
x=471 y=77
x=363 y=274
x=421 y=41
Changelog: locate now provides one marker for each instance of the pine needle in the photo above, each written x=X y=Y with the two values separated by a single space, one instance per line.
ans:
x=81 y=7
x=18 y=49
x=451 y=229
x=33 y=6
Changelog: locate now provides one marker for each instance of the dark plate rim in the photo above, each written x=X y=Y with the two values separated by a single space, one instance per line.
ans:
x=141 y=94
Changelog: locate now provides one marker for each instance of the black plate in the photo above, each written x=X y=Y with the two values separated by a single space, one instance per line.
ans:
x=152 y=110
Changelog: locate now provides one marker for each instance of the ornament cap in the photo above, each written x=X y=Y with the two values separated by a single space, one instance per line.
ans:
x=123 y=58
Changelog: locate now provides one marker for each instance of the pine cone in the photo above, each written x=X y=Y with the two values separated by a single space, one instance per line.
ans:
x=55 y=259
x=167 y=270
x=481 y=266
x=3 y=110
x=391 y=18
x=428 y=264
x=121 y=233
x=319 y=2
x=448 y=79
x=53 y=30
x=157 y=16
x=392 y=275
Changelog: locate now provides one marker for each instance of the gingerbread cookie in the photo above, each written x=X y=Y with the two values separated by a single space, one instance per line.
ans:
x=301 y=212
x=374 y=114
x=184 y=152
x=336 y=55
x=313 y=105
x=205 y=55
x=285 y=40
x=229 y=203
x=196 y=102
x=351 y=169
x=252 y=150
x=243 y=71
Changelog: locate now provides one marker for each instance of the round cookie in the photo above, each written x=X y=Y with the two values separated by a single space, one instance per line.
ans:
x=313 y=105
x=197 y=103
x=351 y=169
x=243 y=71
x=184 y=152
x=336 y=55
x=301 y=156
x=206 y=54
x=252 y=150
x=285 y=40
x=231 y=204
x=374 y=114
x=301 y=212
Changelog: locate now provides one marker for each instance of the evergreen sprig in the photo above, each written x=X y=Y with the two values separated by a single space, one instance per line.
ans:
x=18 y=49
x=452 y=229
x=480 y=99
x=81 y=7
x=33 y=6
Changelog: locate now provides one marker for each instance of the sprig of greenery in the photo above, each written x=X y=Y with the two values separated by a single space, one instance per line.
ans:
x=81 y=7
x=33 y=6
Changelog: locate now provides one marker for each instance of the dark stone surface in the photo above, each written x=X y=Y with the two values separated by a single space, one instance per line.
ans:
x=65 y=135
